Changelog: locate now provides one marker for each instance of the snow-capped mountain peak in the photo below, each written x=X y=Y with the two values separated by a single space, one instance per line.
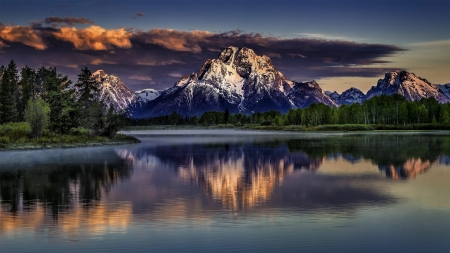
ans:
x=238 y=80
x=114 y=92
x=351 y=96
x=333 y=95
x=406 y=84
x=148 y=94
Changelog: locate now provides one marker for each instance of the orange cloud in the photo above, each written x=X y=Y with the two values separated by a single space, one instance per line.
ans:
x=95 y=37
x=100 y=61
x=141 y=78
x=21 y=34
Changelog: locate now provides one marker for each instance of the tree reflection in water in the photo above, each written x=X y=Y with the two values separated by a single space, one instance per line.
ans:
x=59 y=180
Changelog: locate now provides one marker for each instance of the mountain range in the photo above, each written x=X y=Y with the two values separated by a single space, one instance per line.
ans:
x=243 y=82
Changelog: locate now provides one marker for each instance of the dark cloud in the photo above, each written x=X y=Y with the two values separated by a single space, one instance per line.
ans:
x=138 y=14
x=159 y=56
x=60 y=21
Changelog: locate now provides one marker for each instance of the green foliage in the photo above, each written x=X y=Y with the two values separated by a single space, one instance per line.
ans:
x=346 y=127
x=8 y=111
x=15 y=131
x=266 y=123
x=37 y=115
x=79 y=131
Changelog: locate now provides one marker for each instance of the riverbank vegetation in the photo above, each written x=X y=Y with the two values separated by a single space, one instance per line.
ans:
x=378 y=113
x=42 y=107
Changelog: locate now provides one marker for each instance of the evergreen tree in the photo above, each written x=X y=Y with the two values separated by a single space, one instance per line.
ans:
x=444 y=116
x=86 y=85
x=63 y=109
x=226 y=115
x=8 y=112
x=27 y=81
x=13 y=74
x=90 y=106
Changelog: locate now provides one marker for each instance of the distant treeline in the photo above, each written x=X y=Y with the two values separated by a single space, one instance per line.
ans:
x=47 y=100
x=384 y=109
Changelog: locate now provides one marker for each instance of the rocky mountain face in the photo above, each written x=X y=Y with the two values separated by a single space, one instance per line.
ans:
x=444 y=89
x=333 y=95
x=304 y=94
x=406 y=84
x=350 y=96
x=243 y=82
x=238 y=80
x=114 y=92
x=148 y=94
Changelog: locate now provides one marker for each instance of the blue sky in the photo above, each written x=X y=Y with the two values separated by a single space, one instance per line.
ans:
x=421 y=29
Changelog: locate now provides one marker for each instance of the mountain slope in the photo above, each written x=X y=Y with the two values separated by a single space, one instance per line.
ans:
x=406 y=84
x=444 y=89
x=114 y=92
x=304 y=94
x=350 y=96
x=239 y=80
x=148 y=94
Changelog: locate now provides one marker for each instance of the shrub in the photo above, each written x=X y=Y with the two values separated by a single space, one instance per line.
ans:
x=348 y=127
x=37 y=115
x=79 y=131
x=15 y=131
x=266 y=123
x=295 y=128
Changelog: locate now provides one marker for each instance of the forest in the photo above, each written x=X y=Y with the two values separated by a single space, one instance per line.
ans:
x=385 y=110
x=45 y=105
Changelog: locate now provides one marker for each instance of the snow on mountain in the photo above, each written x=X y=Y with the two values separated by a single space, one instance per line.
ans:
x=333 y=95
x=238 y=80
x=350 y=96
x=114 y=92
x=148 y=94
x=406 y=84
x=304 y=94
x=444 y=89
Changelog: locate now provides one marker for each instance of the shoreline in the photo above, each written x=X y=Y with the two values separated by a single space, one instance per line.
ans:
x=300 y=128
x=127 y=139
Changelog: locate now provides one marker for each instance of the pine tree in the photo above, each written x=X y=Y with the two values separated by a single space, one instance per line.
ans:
x=90 y=106
x=63 y=110
x=226 y=115
x=8 y=112
x=27 y=81
x=86 y=85
x=14 y=83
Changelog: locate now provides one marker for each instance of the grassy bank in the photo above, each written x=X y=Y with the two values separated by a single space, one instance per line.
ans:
x=17 y=136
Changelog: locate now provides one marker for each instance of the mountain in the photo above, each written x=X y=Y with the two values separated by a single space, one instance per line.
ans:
x=444 y=89
x=406 y=84
x=238 y=80
x=115 y=92
x=304 y=94
x=333 y=95
x=350 y=96
x=148 y=94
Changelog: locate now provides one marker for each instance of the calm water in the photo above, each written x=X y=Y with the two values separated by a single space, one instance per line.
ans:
x=229 y=191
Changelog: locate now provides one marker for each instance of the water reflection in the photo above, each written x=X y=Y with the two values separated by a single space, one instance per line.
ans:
x=65 y=186
x=98 y=190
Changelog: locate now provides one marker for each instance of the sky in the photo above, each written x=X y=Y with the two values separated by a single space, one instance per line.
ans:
x=151 y=44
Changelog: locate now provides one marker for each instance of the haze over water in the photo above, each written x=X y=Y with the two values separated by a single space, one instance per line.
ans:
x=231 y=191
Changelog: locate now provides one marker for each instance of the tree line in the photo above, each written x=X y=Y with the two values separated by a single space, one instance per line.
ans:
x=47 y=99
x=384 y=109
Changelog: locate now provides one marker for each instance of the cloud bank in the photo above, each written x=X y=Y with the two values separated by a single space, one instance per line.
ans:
x=155 y=55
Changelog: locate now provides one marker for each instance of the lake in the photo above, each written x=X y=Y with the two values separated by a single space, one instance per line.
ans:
x=231 y=191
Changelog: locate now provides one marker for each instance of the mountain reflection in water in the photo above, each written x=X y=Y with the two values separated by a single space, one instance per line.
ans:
x=105 y=189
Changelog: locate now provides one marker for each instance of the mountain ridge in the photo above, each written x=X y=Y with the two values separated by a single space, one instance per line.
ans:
x=243 y=82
